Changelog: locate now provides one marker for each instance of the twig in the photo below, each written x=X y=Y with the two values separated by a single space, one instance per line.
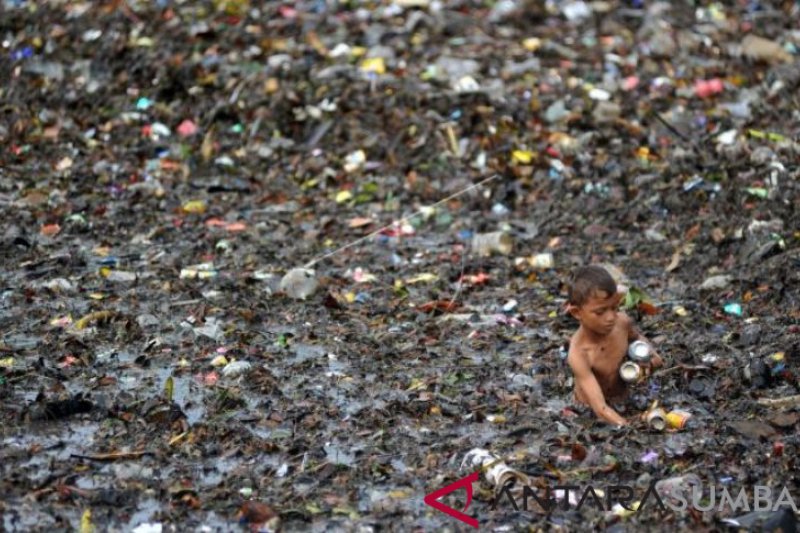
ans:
x=460 y=279
x=185 y=302
x=112 y=456
x=788 y=401
x=683 y=367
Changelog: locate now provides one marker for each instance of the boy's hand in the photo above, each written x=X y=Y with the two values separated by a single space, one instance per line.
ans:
x=656 y=361
x=615 y=418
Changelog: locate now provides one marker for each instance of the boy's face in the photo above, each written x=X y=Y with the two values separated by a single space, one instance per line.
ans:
x=598 y=313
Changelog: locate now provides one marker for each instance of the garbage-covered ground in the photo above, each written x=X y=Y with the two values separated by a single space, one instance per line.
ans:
x=164 y=164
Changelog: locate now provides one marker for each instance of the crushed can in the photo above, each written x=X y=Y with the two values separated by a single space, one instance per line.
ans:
x=640 y=352
x=497 y=472
x=656 y=418
x=630 y=372
x=678 y=418
x=500 y=242
x=542 y=261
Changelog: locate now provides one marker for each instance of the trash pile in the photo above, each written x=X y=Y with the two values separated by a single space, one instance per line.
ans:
x=281 y=265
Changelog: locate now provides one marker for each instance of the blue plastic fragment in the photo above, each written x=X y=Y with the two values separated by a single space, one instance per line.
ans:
x=23 y=53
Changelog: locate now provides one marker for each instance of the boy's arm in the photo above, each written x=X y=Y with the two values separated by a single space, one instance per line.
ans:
x=587 y=382
x=635 y=335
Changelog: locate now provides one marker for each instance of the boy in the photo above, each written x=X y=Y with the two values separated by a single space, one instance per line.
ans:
x=599 y=347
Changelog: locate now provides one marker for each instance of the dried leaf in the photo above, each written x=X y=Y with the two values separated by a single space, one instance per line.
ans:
x=578 y=452
x=648 y=308
x=359 y=222
x=692 y=232
x=207 y=148
x=676 y=259
x=442 y=306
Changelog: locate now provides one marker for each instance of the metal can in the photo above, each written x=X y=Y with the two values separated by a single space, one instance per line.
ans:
x=496 y=242
x=542 y=261
x=630 y=372
x=639 y=351
x=677 y=418
x=657 y=418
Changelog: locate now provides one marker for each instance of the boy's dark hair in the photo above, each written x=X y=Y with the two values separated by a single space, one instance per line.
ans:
x=588 y=279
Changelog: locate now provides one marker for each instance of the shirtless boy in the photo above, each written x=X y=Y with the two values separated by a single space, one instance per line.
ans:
x=598 y=348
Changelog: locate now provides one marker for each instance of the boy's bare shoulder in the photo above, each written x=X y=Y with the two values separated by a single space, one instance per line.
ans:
x=579 y=350
x=625 y=320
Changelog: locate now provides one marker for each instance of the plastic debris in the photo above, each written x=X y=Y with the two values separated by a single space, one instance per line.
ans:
x=761 y=49
x=733 y=309
x=236 y=368
x=485 y=244
x=716 y=283
x=200 y=271
x=148 y=527
x=299 y=283
x=187 y=128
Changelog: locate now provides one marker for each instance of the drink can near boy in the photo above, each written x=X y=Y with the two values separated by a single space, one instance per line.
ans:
x=639 y=351
x=657 y=418
x=630 y=372
x=678 y=418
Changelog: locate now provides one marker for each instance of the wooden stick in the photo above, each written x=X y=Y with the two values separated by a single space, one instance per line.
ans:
x=788 y=401
x=112 y=456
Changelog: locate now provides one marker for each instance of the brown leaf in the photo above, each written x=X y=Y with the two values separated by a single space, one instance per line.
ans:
x=207 y=148
x=578 y=452
x=190 y=500
x=753 y=428
x=106 y=381
x=784 y=420
x=316 y=43
x=359 y=222
x=595 y=230
x=331 y=302
x=607 y=469
x=648 y=308
x=676 y=259
x=692 y=232
x=439 y=306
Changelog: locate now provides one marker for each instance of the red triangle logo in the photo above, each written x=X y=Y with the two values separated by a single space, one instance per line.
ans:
x=466 y=482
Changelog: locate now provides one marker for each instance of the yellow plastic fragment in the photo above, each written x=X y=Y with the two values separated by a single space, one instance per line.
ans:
x=177 y=438
x=343 y=196
x=422 y=278
x=93 y=318
x=194 y=207
x=522 y=157
x=86 y=522
x=531 y=44
x=417 y=384
x=374 y=64
x=219 y=360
